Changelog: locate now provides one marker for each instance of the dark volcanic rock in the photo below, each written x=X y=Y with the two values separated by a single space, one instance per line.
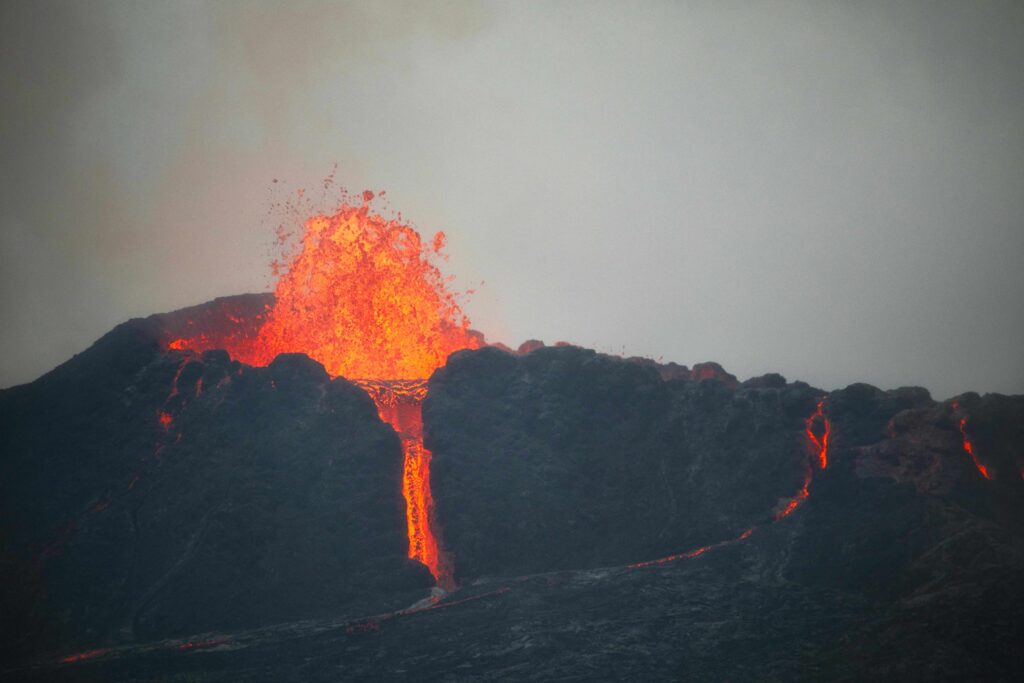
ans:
x=272 y=494
x=565 y=458
x=146 y=493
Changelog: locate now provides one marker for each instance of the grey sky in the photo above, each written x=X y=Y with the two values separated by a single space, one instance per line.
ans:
x=830 y=191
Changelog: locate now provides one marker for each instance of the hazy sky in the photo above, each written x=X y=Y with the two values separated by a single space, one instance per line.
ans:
x=831 y=191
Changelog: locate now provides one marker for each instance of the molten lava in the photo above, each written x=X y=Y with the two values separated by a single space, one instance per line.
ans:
x=85 y=656
x=399 y=404
x=363 y=296
x=968 y=446
x=969 y=449
x=820 y=443
x=786 y=505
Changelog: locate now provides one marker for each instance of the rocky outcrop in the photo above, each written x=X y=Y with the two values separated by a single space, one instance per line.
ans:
x=148 y=493
x=564 y=458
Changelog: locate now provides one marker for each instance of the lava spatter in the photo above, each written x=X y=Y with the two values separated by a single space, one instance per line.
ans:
x=364 y=296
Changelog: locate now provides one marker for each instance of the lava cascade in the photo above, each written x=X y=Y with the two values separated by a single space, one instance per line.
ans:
x=364 y=296
x=399 y=404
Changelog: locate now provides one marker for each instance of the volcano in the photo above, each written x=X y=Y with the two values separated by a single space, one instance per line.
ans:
x=342 y=480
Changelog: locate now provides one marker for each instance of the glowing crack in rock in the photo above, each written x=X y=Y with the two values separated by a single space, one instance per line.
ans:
x=787 y=506
x=821 y=443
x=968 y=445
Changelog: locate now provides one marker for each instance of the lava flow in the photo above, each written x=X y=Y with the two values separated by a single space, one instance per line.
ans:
x=399 y=404
x=820 y=443
x=791 y=504
x=364 y=297
x=968 y=446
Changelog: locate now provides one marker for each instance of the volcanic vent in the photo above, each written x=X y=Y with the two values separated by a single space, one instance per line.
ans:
x=363 y=296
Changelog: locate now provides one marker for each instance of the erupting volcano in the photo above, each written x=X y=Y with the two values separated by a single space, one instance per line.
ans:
x=364 y=296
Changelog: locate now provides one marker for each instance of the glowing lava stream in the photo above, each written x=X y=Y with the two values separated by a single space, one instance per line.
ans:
x=819 y=443
x=969 y=447
x=399 y=403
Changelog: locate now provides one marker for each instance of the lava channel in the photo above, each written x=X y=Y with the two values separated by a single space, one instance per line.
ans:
x=399 y=403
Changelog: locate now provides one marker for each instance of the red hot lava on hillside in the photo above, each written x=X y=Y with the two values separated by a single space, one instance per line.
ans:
x=363 y=296
x=820 y=444
x=968 y=446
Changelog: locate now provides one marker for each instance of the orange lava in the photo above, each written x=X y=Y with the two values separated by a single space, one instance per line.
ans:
x=364 y=296
x=797 y=500
x=821 y=446
x=399 y=404
x=693 y=553
x=969 y=449
x=822 y=443
x=791 y=504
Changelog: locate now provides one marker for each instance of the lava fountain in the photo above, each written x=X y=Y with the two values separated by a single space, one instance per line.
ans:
x=364 y=296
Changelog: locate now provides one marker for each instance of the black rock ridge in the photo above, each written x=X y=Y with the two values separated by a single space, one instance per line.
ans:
x=174 y=516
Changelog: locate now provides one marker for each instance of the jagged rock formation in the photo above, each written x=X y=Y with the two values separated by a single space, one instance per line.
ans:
x=563 y=458
x=273 y=494
x=148 y=493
